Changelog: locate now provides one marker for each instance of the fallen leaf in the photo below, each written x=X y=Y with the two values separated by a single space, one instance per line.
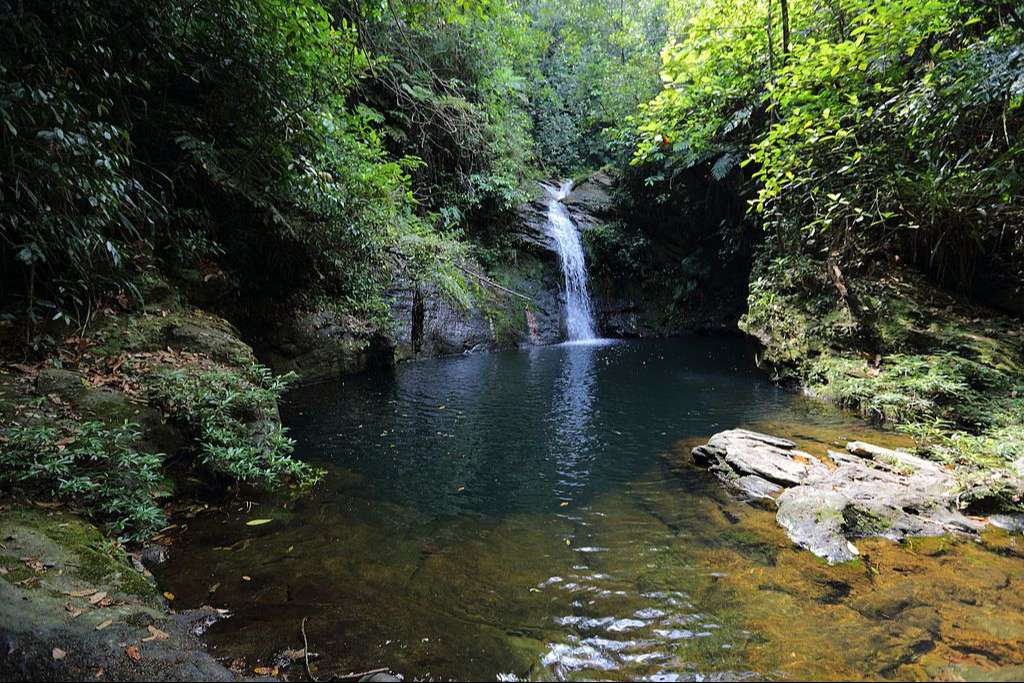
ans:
x=294 y=655
x=156 y=634
x=81 y=594
x=564 y=504
x=75 y=611
x=59 y=653
x=265 y=671
x=258 y=522
x=34 y=564
x=105 y=624
x=246 y=578
x=133 y=652
x=97 y=597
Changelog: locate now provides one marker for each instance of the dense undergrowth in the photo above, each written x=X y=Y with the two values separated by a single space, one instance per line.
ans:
x=96 y=424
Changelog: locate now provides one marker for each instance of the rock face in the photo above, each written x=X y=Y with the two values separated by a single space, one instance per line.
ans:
x=319 y=345
x=863 y=491
x=590 y=201
x=428 y=324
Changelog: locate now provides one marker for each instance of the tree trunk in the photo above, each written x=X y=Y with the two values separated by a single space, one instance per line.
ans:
x=784 y=4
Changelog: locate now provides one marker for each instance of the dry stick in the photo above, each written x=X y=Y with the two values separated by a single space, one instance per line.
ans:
x=305 y=652
x=346 y=677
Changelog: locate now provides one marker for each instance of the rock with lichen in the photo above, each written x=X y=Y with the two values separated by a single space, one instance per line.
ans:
x=865 y=490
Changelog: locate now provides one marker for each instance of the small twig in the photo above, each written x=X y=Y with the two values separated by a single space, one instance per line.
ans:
x=491 y=283
x=305 y=652
x=348 y=677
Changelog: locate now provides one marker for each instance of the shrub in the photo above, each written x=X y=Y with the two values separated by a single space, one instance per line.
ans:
x=95 y=466
x=235 y=415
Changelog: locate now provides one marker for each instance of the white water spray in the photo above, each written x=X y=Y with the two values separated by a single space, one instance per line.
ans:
x=579 y=314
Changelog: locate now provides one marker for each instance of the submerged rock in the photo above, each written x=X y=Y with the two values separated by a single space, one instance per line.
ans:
x=865 y=490
x=814 y=519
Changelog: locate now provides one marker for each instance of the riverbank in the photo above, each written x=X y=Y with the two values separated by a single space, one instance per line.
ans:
x=73 y=607
x=104 y=437
x=904 y=353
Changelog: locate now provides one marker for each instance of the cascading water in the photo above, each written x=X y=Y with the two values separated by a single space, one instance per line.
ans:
x=579 y=314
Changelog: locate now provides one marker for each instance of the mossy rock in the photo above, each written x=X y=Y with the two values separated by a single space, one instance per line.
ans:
x=78 y=551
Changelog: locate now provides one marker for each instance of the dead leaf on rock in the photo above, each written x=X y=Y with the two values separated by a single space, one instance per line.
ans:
x=156 y=634
x=35 y=564
x=133 y=653
x=59 y=653
x=97 y=597
x=105 y=624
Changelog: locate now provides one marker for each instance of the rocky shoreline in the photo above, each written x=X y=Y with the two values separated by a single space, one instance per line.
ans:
x=73 y=607
x=862 y=491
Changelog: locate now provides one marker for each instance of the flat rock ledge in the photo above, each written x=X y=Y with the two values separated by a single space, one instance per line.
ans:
x=863 y=491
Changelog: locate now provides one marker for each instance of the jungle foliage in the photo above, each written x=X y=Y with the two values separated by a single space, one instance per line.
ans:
x=872 y=129
x=294 y=144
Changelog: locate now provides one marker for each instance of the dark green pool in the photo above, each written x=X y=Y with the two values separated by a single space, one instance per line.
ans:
x=531 y=514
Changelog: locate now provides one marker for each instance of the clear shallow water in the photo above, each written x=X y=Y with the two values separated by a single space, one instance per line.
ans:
x=532 y=515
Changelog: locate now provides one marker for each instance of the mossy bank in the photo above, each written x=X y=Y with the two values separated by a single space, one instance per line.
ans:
x=901 y=351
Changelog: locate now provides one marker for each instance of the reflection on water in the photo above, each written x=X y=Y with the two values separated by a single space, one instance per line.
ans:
x=531 y=515
x=574 y=443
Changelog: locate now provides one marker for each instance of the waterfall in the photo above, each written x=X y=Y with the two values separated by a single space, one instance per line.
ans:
x=579 y=314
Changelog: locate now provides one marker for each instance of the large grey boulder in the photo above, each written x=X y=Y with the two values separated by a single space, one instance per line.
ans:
x=814 y=519
x=740 y=452
x=865 y=490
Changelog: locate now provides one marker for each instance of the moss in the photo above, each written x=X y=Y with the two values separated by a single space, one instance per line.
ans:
x=15 y=571
x=860 y=522
x=99 y=560
x=89 y=555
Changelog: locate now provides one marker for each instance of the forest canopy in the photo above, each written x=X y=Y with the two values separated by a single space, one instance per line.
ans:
x=316 y=148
